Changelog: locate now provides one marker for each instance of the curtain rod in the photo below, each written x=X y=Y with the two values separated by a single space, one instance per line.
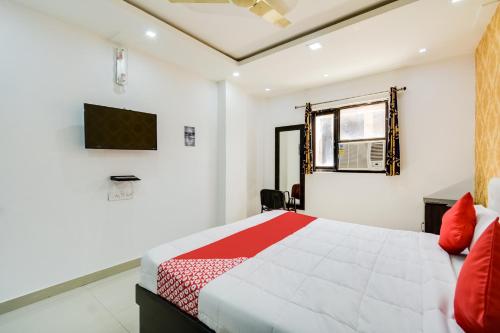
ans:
x=344 y=99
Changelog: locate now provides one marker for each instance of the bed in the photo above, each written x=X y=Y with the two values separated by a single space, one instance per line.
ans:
x=329 y=276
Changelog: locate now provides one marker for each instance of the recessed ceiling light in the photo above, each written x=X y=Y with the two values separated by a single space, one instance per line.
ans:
x=455 y=1
x=326 y=75
x=151 y=34
x=422 y=50
x=236 y=74
x=267 y=89
x=315 y=46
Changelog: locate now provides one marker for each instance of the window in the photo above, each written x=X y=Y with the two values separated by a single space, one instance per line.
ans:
x=350 y=138
x=362 y=122
x=323 y=141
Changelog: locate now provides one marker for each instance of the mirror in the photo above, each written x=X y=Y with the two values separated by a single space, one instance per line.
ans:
x=289 y=157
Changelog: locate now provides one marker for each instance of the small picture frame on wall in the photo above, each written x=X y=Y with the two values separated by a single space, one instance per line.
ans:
x=189 y=136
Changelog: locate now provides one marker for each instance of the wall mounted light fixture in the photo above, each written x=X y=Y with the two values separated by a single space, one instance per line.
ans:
x=121 y=66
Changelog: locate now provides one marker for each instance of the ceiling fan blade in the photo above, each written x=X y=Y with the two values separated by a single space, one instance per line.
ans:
x=270 y=10
x=282 y=22
x=244 y=3
x=199 y=1
x=263 y=9
x=278 y=5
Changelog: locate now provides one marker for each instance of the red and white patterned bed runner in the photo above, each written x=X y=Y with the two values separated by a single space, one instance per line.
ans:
x=180 y=279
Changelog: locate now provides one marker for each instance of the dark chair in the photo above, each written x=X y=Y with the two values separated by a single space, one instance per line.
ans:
x=272 y=200
x=292 y=201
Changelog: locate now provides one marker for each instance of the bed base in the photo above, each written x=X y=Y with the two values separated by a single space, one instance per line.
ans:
x=157 y=315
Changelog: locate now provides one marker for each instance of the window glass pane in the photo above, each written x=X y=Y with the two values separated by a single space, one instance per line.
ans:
x=362 y=122
x=323 y=154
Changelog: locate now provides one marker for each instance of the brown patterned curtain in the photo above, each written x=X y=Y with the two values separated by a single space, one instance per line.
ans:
x=393 y=159
x=308 y=161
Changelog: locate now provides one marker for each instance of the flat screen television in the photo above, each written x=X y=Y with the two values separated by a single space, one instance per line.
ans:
x=111 y=128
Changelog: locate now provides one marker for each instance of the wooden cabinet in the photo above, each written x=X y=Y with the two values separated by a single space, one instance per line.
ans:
x=438 y=203
x=433 y=216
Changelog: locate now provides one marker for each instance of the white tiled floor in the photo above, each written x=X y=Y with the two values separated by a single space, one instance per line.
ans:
x=106 y=306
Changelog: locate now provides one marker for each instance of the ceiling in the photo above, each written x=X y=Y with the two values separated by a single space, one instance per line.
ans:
x=248 y=33
x=383 y=39
x=378 y=44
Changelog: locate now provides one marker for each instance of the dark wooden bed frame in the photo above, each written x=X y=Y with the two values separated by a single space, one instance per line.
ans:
x=157 y=315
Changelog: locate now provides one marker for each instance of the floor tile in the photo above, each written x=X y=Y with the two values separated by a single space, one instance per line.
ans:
x=129 y=318
x=116 y=293
x=76 y=311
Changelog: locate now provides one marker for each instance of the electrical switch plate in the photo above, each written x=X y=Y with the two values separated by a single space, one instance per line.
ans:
x=120 y=191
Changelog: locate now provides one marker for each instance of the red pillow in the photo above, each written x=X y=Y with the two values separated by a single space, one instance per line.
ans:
x=477 y=295
x=458 y=226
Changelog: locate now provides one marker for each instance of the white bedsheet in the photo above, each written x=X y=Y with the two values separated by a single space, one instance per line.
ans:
x=328 y=277
x=457 y=261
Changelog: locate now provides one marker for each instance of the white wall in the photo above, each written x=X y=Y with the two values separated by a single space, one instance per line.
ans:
x=221 y=149
x=436 y=122
x=55 y=221
x=239 y=198
x=255 y=162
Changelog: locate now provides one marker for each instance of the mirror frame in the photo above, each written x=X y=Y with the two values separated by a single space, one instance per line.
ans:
x=277 y=131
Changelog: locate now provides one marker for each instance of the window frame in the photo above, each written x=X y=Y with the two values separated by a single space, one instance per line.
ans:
x=336 y=135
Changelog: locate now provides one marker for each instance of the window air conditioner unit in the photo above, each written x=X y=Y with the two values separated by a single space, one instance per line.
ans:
x=365 y=155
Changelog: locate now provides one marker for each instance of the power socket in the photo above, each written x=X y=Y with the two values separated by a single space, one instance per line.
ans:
x=120 y=191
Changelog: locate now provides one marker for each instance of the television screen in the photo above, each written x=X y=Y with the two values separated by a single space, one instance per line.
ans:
x=111 y=128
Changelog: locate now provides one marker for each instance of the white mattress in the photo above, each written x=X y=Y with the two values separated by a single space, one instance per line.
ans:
x=329 y=276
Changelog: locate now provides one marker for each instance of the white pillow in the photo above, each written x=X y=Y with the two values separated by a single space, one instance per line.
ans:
x=494 y=194
x=484 y=217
